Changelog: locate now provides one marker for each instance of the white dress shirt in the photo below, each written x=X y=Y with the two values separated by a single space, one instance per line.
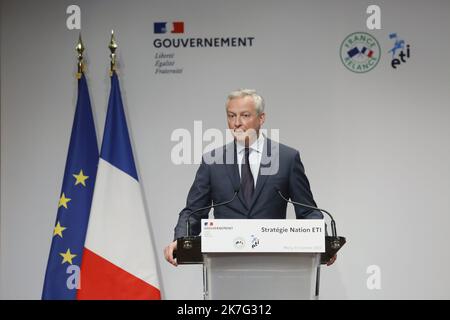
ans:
x=256 y=150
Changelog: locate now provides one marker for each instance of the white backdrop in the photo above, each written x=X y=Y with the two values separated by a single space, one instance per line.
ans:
x=374 y=145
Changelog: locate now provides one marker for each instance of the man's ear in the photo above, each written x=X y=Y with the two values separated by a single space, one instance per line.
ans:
x=262 y=118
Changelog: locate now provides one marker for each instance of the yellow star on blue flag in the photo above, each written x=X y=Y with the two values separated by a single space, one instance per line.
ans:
x=67 y=256
x=80 y=178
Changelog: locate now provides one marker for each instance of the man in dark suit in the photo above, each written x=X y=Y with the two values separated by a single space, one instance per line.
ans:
x=253 y=166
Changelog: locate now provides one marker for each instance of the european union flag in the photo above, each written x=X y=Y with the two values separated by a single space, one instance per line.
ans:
x=63 y=268
x=353 y=52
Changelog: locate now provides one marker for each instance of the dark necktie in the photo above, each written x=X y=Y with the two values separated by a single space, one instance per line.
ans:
x=247 y=183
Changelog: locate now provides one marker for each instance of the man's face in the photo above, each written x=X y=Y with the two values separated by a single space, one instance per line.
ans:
x=243 y=120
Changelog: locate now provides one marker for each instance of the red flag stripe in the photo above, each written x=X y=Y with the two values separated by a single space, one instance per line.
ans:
x=100 y=279
x=178 y=27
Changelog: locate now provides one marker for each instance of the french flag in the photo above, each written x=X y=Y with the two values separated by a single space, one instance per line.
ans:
x=118 y=259
x=367 y=52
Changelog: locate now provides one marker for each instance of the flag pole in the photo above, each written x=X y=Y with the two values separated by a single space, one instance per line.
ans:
x=80 y=49
x=112 y=47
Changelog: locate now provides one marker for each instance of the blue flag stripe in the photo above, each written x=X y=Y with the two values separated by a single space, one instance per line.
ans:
x=116 y=146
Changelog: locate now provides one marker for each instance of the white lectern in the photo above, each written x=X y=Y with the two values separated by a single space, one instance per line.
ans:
x=241 y=276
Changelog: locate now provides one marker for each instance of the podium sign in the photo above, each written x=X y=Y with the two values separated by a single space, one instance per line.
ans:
x=263 y=235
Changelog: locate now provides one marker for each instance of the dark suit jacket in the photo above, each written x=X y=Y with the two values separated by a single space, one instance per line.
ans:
x=217 y=179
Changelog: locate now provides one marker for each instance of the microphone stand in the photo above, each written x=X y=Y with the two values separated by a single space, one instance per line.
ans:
x=189 y=247
x=333 y=243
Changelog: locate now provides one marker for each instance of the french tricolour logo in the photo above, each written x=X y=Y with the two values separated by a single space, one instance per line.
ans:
x=161 y=27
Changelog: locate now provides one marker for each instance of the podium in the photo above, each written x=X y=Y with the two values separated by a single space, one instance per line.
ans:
x=261 y=276
x=259 y=259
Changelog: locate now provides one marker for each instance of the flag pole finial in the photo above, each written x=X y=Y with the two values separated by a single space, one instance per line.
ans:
x=80 y=49
x=112 y=47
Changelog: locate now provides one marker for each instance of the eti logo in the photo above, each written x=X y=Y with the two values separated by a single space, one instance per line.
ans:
x=401 y=47
x=161 y=27
x=255 y=241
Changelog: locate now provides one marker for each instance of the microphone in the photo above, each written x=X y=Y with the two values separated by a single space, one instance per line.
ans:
x=188 y=223
x=336 y=243
x=189 y=247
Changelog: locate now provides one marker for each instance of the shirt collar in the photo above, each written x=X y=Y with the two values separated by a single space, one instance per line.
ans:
x=256 y=145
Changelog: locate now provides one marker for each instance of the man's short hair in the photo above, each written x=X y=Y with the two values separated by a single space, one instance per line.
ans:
x=241 y=93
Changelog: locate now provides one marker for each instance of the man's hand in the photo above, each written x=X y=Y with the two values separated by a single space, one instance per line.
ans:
x=168 y=253
x=332 y=260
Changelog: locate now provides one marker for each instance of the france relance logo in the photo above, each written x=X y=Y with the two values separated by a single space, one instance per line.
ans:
x=360 y=52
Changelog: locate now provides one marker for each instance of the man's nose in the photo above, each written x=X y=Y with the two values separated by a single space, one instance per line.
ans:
x=237 y=121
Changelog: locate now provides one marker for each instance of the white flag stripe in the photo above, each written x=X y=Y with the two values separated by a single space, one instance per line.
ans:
x=118 y=228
